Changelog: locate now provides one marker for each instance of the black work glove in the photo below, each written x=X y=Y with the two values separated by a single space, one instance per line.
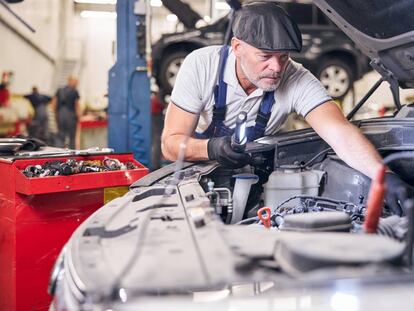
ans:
x=397 y=192
x=32 y=144
x=219 y=148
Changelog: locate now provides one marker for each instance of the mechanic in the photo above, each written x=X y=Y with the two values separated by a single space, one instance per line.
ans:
x=4 y=91
x=257 y=76
x=39 y=127
x=67 y=109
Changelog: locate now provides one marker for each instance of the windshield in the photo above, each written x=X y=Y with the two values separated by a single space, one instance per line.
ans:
x=378 y=19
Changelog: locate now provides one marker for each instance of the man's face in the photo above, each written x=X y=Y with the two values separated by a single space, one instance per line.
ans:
x=72 y=82
x=263 y=69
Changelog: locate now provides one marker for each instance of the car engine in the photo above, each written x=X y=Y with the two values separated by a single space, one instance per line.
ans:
x=298 y=197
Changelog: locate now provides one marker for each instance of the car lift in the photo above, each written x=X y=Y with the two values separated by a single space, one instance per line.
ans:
x=129 y=127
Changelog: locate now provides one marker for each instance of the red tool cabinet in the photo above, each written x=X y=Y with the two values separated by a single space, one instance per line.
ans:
x=37 y=217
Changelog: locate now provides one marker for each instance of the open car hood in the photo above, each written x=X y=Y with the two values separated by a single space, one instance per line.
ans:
x=183 y=11
x=383 y=30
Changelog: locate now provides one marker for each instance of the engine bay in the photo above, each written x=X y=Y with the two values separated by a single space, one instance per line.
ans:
x=318 y=193
x=321 y=206
x=297 y=192
x=330 y=185
x=288 y=218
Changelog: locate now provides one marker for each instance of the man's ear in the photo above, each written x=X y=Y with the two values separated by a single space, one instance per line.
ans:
x=236 y=46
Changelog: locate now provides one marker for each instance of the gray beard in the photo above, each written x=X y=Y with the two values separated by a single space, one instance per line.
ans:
x=257 y=83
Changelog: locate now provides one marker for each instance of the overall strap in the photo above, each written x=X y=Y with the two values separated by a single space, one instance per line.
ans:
x=263 y=116
x=217 y=127
x=220 y=90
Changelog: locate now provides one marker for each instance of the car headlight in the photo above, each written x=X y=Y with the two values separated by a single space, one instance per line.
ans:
x=57 y=268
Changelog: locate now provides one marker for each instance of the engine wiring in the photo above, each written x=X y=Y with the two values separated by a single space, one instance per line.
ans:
x=308 y=204
x=390 y=225
x=323 y=153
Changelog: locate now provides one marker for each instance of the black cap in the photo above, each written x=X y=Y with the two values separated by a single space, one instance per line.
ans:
x=266 y=26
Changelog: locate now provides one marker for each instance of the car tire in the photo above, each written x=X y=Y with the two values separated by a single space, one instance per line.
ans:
x=336 y=75
x=169 y=70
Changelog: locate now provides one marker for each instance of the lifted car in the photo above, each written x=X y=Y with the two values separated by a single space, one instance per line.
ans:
x=292 y=230
x=327 y=52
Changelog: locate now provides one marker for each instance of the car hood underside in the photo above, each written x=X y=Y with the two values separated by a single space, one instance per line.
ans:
x=383 y=30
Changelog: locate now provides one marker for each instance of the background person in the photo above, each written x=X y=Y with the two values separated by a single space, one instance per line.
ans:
x=67 y=109
x=4 y=91
x=39 y=127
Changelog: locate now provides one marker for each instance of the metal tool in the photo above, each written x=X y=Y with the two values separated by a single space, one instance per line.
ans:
x=73 y=166
x=65 y=152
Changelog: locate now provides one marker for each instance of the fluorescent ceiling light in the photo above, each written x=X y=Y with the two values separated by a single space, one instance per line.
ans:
x=222 y=6
x=97 y=14
x=96 y=1
x=172 y=18
x=156 y=3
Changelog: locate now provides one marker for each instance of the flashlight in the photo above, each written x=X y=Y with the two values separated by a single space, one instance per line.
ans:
x=239 y=138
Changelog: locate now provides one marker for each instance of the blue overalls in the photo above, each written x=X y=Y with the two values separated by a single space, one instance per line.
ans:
x=217 y=127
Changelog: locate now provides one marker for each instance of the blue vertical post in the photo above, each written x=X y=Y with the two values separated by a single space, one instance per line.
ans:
x=129 y=110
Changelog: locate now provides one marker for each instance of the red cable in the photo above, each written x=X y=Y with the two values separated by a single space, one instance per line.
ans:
x=375 y=201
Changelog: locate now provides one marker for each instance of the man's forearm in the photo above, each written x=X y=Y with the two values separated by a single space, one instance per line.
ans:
x=347 y=141
x=78 y=110
x=355 y=149
x=195 y=149
x=53 y=104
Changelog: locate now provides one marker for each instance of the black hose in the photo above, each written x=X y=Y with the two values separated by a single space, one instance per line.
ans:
x=398 y=156
x=310 y=162
x=248 y=221
x=311 y=197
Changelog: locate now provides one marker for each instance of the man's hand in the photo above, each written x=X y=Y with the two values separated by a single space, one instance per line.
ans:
x=397 y=192
x=219 y=148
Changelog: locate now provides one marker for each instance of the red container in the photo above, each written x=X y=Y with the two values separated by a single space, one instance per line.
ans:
x=37 y=217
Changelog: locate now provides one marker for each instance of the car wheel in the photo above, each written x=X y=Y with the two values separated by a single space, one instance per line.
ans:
x=169 y=69
x=336 y=76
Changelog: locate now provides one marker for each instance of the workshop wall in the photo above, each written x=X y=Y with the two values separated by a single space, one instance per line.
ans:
x=61 y=36
x=31 y=56
x=28 y=66
x=99 y=37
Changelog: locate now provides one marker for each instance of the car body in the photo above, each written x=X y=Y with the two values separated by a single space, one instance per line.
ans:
x=327 y=52
x=186 y=237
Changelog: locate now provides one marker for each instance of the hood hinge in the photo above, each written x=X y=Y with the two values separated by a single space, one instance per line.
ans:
x=388 y=76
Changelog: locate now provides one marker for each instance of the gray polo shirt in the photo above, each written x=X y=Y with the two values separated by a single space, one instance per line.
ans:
x=299 y=91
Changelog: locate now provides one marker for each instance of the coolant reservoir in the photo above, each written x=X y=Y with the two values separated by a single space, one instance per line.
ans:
x=286 y=183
